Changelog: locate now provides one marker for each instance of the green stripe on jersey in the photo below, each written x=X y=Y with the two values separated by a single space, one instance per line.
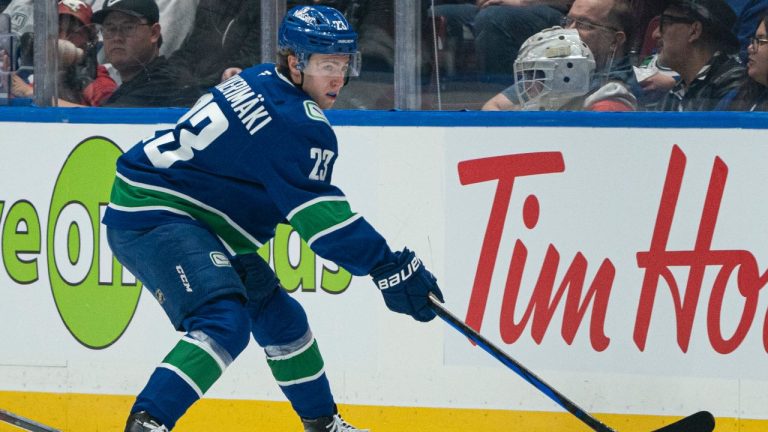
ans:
x=137 y=197
x=321 y=216
x=298 y=368
x=196 y=363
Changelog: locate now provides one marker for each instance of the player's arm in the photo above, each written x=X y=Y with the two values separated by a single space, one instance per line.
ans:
x=298 y=178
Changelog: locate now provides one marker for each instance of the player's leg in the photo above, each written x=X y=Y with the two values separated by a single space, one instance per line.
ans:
x=185 y=268
x=279 y=324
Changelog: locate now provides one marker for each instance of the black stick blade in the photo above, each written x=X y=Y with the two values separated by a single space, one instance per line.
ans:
x=24 y=423
x=702 y=421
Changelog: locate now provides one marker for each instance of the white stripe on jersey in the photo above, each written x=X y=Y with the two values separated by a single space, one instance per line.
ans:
x=197 y=203
x=332 y=229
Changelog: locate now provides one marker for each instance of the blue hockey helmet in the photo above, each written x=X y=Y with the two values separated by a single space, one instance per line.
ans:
x=308 y=30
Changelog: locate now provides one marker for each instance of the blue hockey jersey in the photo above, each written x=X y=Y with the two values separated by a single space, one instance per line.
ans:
x=254 y=152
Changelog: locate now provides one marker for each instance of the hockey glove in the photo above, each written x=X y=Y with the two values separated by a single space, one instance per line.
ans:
x=406 y=284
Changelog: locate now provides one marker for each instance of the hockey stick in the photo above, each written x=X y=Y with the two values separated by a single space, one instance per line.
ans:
x=701 y=421
x=24 y=423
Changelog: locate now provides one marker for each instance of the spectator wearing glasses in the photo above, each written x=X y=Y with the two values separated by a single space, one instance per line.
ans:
x=603 y=26
x=697 y=42
x=750 y=13
x=132 y=40
x=753 y=94
x=176 y=20
x=174 y=14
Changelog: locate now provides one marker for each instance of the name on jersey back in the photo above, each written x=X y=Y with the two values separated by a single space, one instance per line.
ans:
x=248 y=105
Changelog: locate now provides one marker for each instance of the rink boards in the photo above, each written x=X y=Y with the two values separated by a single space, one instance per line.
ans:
x=621 y=258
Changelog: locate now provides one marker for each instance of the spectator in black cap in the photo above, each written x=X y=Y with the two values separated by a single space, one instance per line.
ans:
x=697 y=42
x=132 y=39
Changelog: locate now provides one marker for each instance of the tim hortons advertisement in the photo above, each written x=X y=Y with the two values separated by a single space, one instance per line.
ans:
x=636 y=251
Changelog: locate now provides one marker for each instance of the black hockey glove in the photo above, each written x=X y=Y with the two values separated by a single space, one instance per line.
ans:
x=406 y=284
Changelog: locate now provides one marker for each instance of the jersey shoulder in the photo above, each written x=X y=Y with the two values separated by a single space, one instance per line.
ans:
x=291 y=109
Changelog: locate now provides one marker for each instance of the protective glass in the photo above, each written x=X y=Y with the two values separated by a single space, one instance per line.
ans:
x=7 y=65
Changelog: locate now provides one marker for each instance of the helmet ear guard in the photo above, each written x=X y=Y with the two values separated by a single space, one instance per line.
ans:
x=552 y=67
x=308 y=30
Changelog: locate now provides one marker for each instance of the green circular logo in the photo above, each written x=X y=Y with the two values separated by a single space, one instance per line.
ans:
x=95 y=296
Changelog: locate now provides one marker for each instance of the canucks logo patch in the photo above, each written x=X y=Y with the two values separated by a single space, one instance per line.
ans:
x=220 y=260
x=314 y=111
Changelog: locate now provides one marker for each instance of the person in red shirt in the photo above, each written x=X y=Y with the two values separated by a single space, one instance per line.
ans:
x=82 y=81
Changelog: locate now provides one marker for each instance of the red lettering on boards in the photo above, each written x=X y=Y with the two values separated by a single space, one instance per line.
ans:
x=657 y=261
x=542 y=306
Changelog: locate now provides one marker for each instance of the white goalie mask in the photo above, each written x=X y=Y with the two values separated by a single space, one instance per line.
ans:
x=552 y=67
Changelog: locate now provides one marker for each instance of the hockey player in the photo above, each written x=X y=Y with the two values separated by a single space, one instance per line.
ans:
x=191 y=205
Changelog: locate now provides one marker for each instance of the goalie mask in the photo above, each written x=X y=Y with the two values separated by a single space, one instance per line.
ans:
x=308 y=30
x=553 y=67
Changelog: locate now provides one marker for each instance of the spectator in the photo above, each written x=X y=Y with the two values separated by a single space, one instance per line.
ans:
x=176 y=15
x=753 y=94
x=500 y=27
x=601 y=25
x=643 y=12
x=605 y=26
x=176 y=18
x=656 y=80
x=749 y=14
x=698 y=43
x=20 y=12
x=132 y=39
x=229 y=33
x=82 y=81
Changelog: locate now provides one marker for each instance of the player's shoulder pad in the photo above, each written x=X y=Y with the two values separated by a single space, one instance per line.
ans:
x=314 y=112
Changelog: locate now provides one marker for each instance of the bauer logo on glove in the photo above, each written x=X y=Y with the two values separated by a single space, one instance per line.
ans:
x=400 y=276
x=406 y=284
